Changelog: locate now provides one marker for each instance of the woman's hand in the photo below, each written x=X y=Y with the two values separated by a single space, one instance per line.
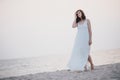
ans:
x=90 y=42
x=75 y=15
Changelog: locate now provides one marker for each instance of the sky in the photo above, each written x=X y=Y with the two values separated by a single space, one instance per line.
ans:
x=30 y=28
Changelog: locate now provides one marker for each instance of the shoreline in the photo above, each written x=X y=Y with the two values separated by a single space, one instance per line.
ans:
x=18 y=67
x=103 y=72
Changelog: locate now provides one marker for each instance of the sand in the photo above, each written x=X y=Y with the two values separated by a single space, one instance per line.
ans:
x=103 y=72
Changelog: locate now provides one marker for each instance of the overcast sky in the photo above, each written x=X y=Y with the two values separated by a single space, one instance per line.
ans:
x=30 y=28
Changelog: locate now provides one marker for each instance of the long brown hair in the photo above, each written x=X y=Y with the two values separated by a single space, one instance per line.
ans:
x=83 y=16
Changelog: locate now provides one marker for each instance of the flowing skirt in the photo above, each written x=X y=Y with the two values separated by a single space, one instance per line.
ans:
x=80 y=51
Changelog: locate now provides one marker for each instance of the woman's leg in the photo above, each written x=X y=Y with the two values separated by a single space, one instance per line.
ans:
x=91 y=62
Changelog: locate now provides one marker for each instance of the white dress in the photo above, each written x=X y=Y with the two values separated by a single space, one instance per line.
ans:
x=81 y=48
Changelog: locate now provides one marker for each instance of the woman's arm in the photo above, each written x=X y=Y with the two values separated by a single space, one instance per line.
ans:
x=74 y=25
x=90 y=31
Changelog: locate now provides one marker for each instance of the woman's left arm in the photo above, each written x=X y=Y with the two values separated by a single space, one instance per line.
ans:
x=90 y=31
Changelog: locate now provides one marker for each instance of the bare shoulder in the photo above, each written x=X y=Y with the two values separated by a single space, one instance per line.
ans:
x=88 y=20
x=88 y=23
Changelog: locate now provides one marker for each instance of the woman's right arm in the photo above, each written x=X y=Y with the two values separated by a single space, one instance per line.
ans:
x=74 y=25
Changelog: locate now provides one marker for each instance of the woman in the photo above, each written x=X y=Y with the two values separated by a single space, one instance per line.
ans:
x=83 y=40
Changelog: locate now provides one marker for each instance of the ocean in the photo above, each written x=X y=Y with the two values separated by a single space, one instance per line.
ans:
x=48 y=63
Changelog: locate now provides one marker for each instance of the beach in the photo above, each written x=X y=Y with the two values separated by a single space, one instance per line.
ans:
x=107 y=67
x=104 y=72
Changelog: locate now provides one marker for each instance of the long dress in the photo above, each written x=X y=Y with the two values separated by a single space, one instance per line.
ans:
x=81 y=48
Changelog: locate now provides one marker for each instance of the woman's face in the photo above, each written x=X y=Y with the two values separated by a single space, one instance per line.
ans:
x=79 y=14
